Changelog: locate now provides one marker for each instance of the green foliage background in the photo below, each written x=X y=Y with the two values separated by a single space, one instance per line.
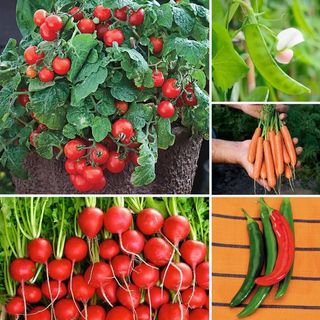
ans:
x=303 y=122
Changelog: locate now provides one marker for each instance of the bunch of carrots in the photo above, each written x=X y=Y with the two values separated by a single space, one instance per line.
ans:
x=272 y=151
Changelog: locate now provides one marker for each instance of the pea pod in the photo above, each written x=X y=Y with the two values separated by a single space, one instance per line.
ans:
x=271 y=254
x=286 y=210
x=266 y=64
x=255 y=263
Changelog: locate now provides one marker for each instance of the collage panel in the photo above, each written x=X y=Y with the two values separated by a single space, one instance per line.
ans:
x=104 y=258
x=265 y=149
x=267 y=265
x=265 y=50
x=104 y=97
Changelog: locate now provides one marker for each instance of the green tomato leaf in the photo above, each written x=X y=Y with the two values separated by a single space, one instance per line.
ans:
x=46 y=141
x=80 y=117
x=139 y=114
x=124 y=91
x=164 y=15
x=13 y=158
x=183 y=20
x=100 y=128
x=165 y=137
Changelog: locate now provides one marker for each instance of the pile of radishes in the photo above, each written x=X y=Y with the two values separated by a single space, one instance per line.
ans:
x=140 y=267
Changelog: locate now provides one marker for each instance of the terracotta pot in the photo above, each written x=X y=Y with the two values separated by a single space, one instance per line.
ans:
x=175 y=172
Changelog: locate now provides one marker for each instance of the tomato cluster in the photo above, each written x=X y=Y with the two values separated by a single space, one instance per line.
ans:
x=86 y=161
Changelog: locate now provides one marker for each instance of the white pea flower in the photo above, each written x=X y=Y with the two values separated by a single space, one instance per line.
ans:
x=287 y=39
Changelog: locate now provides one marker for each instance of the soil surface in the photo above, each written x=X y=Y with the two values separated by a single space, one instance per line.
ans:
x=231 y=179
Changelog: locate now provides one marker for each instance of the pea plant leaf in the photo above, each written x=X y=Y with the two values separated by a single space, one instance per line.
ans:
x=228 y=66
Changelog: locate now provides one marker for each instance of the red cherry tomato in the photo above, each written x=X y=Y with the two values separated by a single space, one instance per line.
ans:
x=74 y=149
x=99 y=154
x=121 y=14
x=102 y=13
x=165 y=109
x=32 y=137
x=41 y=127
x=76 y=13
x=31 y=72
x=86 y=26
x=158 y=78
x=170 y=90
x=134 y=157
x=23 y=98
x=70 y=167
x=39 y=17
x=46 y=75
x=111 y=145
x=54 y=23
x=80 y=183
x=101 y=30
x=47 y=34
x=189 y=97
x=80 y=166
x=31 y=56
x=122 y=106
x=114 y=163
x=157 y=44
x=61 y=66
x=115 y=35
x=123 y=130
x=137 y=17
x=100 y=184
x=92 y=174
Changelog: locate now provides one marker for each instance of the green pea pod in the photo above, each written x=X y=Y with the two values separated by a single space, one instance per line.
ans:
x=255 y=263
x=271 y=257
x=286 y=210
x=266 y=64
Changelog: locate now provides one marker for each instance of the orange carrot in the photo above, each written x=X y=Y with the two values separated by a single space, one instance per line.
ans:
x=253 y=145
x=263 y=173
x=288 y=172
x=289 y=145
x=279 y=154
x=259 y=158
x=286 y=157
x=272 y=139
x=271 y=177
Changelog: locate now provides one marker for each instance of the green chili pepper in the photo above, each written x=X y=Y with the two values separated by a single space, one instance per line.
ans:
x=266 y=64
x=286 y=211
x=271 y=254
x=255 y=263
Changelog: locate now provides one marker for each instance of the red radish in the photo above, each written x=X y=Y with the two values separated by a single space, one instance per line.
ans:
x=94 y=313
x=133 y=242
x=194 y=298
x=22 y=270
x=158 y=297
x=199 y=314
x=117 y=220
x=118 y=313
x=176 y=229
x=158 y=251
x=178 y=277
x=57 y=290
x=129 y=297
x=82 y=291
x=15 y=306
x=75 y=249
x=32 y=293
x=108 y=292
x=98 y=274
x=39 y=313
x=39 y=250
x=122 y=266
x=173 y=311
x=145 y=276
x=66 y=309
x=108 y=249
x=150 y=221
x=142 y=312
x=193 y=252
x=60 y=269
x=202 y=275
x=90 y=221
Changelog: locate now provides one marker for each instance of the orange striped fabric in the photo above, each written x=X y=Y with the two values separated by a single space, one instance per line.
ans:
x=230 y=258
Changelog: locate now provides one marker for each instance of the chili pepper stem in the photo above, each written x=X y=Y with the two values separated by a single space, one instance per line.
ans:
x=263 y=203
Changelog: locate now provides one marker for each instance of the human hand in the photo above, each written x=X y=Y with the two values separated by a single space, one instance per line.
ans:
x=243 y=161
x=254 y=110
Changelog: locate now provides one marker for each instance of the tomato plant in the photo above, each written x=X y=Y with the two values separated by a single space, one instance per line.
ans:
x=94 y=73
